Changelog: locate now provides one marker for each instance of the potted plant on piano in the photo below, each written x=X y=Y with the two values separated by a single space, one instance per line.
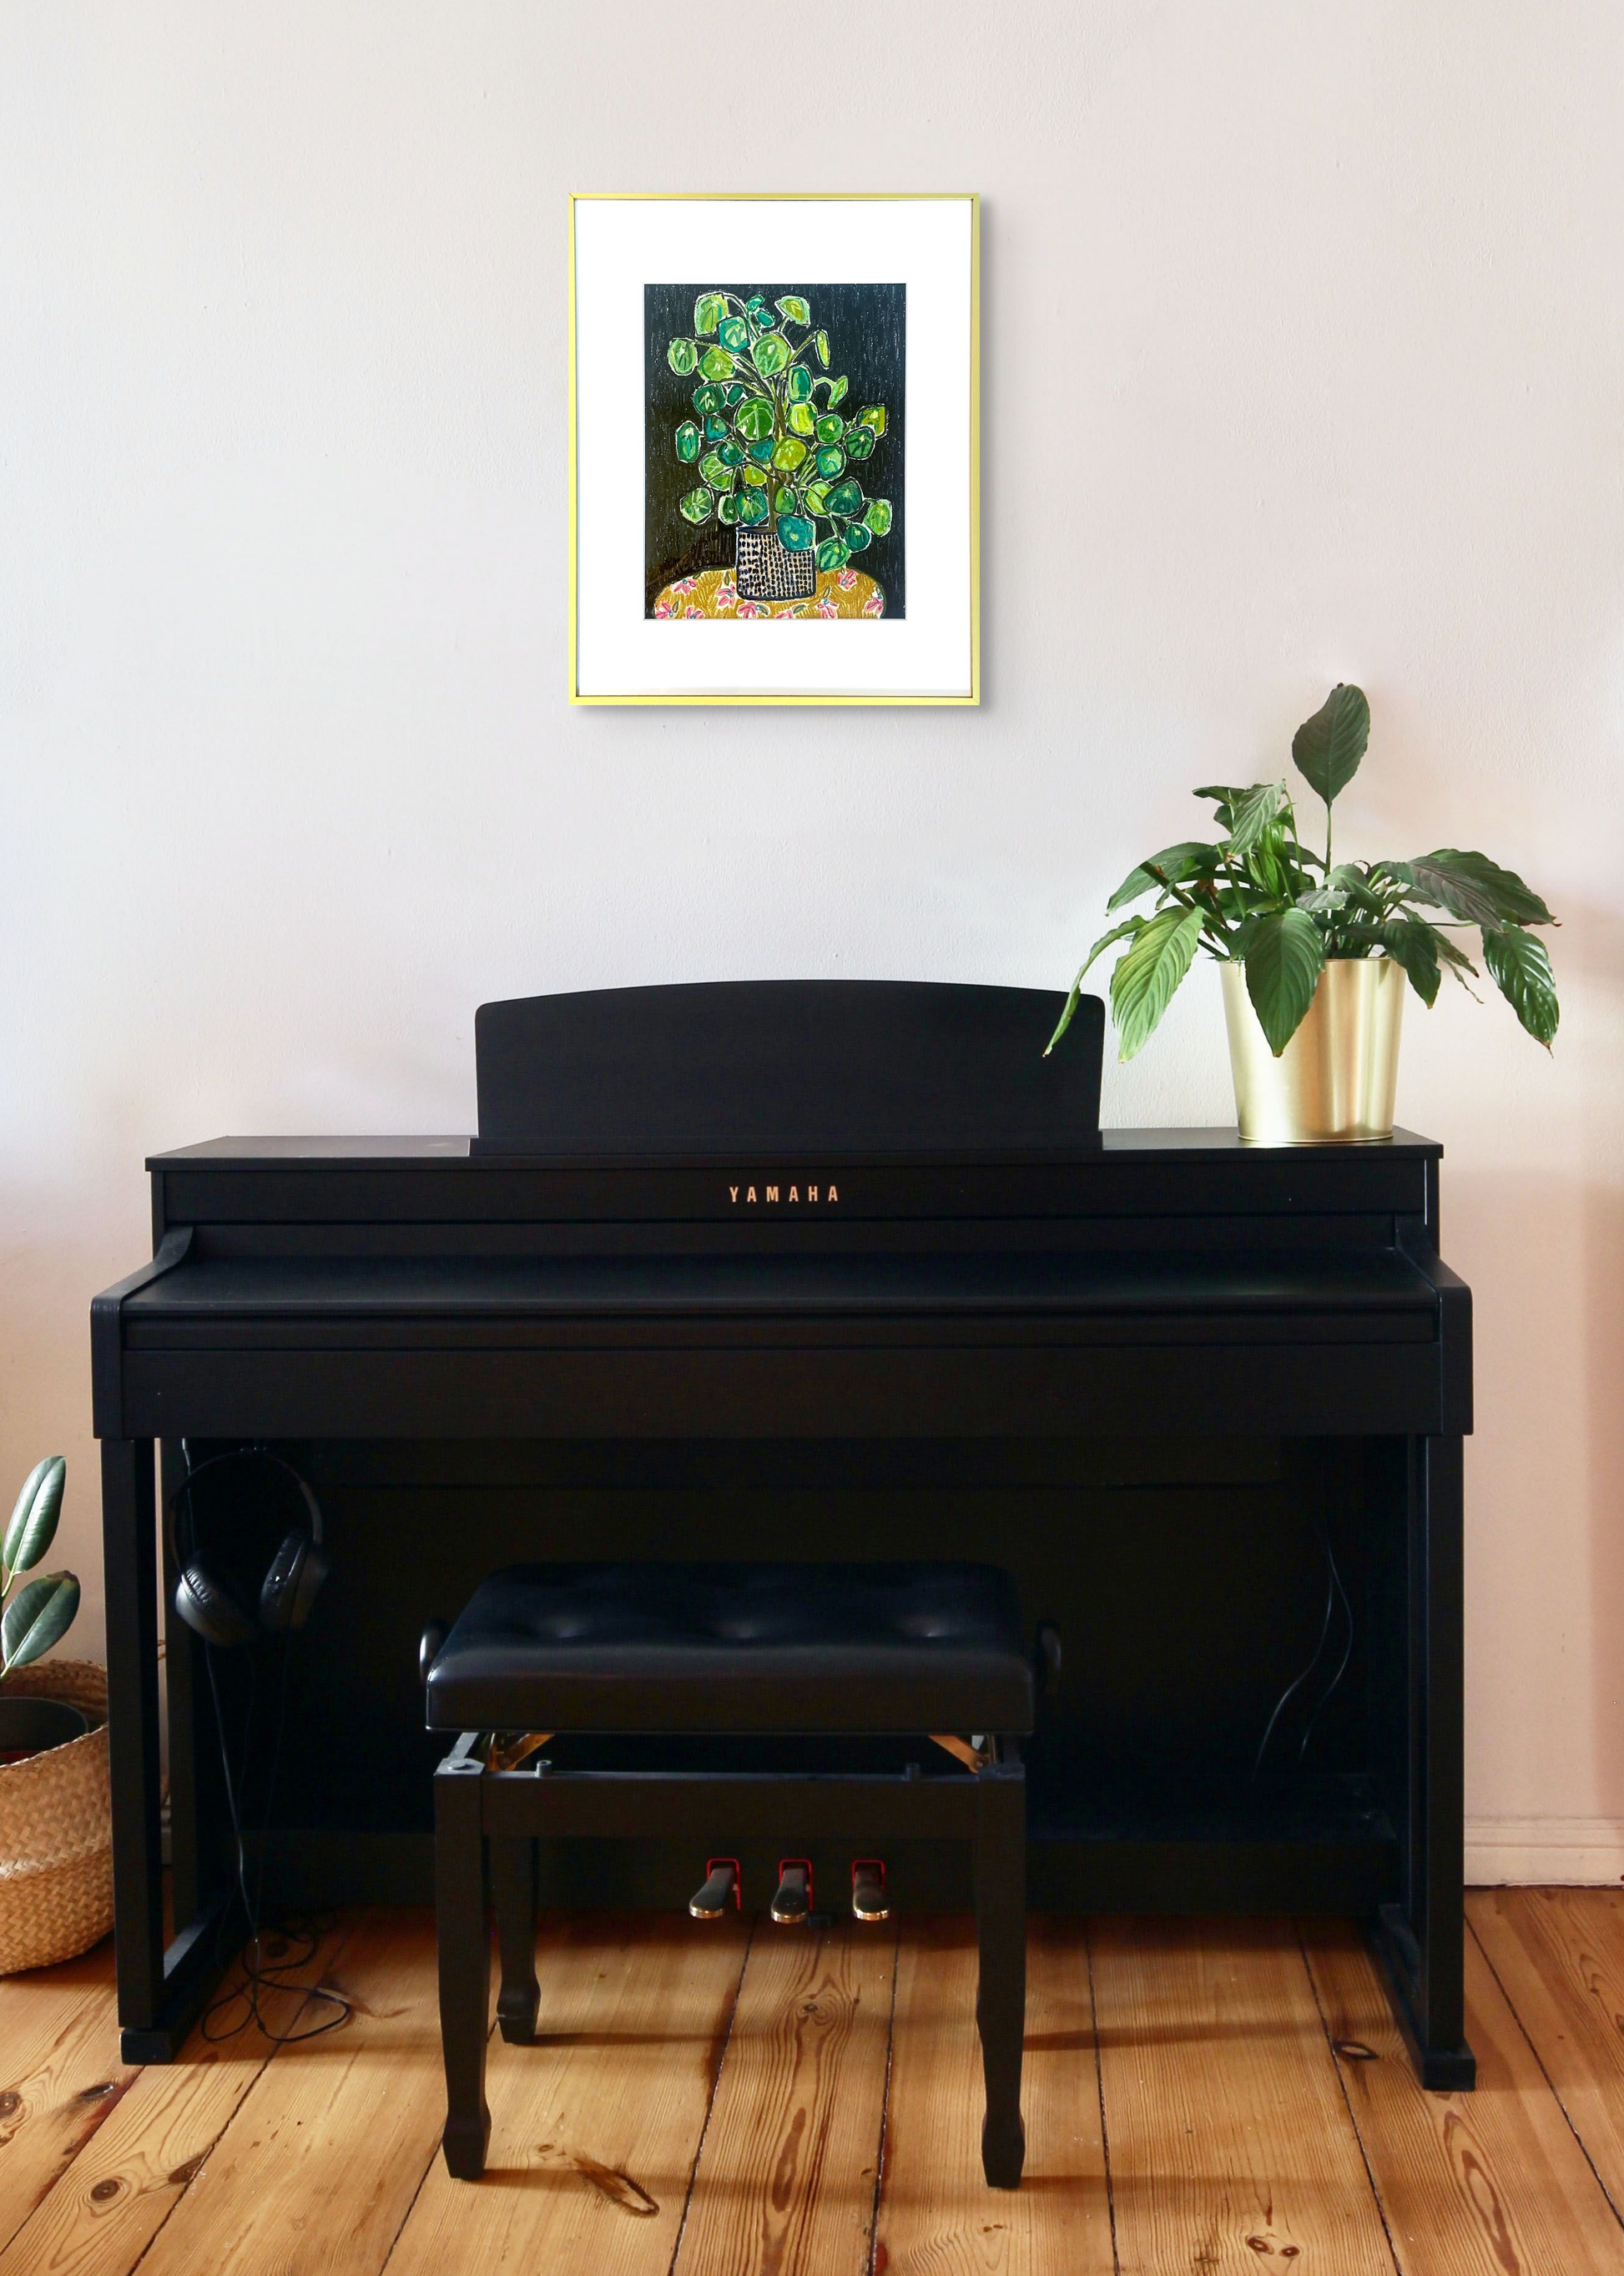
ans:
x=1316 y=953
x=56 y=1825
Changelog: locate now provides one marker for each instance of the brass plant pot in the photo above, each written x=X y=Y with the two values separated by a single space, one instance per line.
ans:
x=1335 y=1082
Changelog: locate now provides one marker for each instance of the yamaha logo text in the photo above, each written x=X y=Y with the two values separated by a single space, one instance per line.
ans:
x=781 y=1195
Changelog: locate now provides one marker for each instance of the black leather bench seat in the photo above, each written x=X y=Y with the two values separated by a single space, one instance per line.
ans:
x=736 y=1648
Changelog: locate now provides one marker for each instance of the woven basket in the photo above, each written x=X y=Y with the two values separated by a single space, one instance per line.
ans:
x=56 y=1828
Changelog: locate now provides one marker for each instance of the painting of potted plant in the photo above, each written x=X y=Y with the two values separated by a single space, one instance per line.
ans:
x=1316 y=953
x=768 y=491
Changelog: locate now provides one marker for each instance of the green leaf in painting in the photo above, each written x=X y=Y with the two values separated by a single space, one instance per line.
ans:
x=682 y=355
x=831 y=461
x=37 y=1616
x=858 y=536
x=696 y=507
x=769 y=355
x=734 y=335
x=859 y=440
x=733 y=392
x=754 y=420
x=1284 y=959
x=752 y=508
x=830 y=428
x=727 y=508
x=793 y=307
x=730 y=453
x=760 y=314
x=1143 y=985
x=799 y=384
x=706 y=399
x=719 y=477
x=788 y=454
x=761 y=452
x=757 y=476
x=836 y=391
x=1520 y=969
x=816 y=498
x=834 y=553
x=1328 y=747
x=878 y=516
x=1475 y=890
x=872 y=417
x=823 y=349
x=1177 y=864
x=687 y=441
x=32 y=1526
x=716 y=363
x=801 y=419
x=716 y=428
x=845 y=498
x=709 y=311
x=796 y=534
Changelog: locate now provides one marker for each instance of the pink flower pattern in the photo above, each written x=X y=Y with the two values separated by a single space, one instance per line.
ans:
x=726 y=595
x=686 y=585
x=753 y=609
x=874 y=605
x=725 y=600
x=848 y=578
x=826 y=605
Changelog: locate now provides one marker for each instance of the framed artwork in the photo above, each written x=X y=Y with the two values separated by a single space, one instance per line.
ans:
x=773 y=422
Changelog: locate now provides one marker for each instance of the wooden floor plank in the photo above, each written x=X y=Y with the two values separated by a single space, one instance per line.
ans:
x=937 y=2212
x=320 y=2164
x=1559 y=1955
x=594 y=2129
x=1490 y=2183
x=786 y=2175
x=60 y=2075
x=104 y=2211
x=1229 y=2145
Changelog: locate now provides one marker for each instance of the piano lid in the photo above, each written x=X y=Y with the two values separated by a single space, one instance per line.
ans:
x=840 y=1067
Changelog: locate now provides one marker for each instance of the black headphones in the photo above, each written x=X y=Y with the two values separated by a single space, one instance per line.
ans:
x=217 y=1608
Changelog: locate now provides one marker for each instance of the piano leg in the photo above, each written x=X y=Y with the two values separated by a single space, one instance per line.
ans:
x=1000 y=1997
x=1423 y=1938
x=464 y=1937
x=513 y=1888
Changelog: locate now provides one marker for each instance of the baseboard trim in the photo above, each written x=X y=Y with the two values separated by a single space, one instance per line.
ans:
x=1532 y=1851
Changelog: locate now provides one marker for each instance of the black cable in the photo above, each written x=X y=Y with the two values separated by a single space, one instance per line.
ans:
x=1334 y=1590
x=1348 y=1653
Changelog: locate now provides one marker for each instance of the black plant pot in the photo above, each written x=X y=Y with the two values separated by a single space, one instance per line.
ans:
x=768 y=571
x=28 y=1727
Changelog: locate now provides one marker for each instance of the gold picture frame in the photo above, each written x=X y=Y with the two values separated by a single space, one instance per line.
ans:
x=592 y=691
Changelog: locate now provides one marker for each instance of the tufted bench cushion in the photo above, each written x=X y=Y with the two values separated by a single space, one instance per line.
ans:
x=736 y=1648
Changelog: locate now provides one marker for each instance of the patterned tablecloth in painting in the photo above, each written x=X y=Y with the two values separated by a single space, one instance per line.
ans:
x=713 y=593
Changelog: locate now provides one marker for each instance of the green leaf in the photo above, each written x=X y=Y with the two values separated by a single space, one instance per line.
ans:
x=1283 y=958
x=761 y=452
x=754 y=420
x=1143 y=985
x=788 y=454
x=727 y=508
x=696 y=507
x=823 y=349
x=801 y=419
x=1347 y=877
x=878 y=516
x=836 y=391
x=1252 y=812
x=706 y=400
x=793 y=307
x=834 y=553
x=1520 y=969
x=1178 y=864
x=858 y=537
x=682 y=355
x=770 y=354
x=1412 y=942
x=796 y=534
x=845 y=498
x=716 y=363
x=830 y=428
x=760 y=314
x=709 y=311
x=734 y=335
x=1328 y=747
x=719 y=475
x=757 y=476
x=1119 y=932
x=831 y=461
x=752 y=509
x=687 y=441
x=784 y=499
x=859 y=442
x=816 y=498
x=733 y=392
x=1474 y=889
x=37 y=1616
x=716 y=428
x=730 y=453
x=799 y=384
x=873 y=417
x=32 y=1526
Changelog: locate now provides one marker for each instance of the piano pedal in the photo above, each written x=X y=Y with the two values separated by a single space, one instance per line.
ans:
x=869 y=1901
x=792 y=1903
x=721 y=1882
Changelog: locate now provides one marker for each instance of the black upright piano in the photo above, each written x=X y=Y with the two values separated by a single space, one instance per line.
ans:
x=828 y=1270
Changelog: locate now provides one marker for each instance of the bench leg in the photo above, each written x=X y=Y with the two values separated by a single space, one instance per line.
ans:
x=1000 y=1998
x=513 y=1882
x=465 y=1961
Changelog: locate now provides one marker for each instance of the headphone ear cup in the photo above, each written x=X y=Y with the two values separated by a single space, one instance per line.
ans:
x=293 y=1583
x=211 y=1610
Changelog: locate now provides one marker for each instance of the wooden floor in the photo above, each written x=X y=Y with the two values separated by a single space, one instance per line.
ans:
x=1222 y=2096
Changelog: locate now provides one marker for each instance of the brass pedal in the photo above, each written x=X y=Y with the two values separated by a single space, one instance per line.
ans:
x=721 y=1882
x=792 y=1904
x=869 y=1901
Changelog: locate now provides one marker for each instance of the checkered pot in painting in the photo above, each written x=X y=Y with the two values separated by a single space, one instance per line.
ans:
x=767 y=571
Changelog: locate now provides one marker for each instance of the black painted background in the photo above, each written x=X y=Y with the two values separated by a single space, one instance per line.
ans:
x=867 y=326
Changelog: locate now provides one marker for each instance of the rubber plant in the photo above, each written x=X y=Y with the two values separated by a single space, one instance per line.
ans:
x=41 y=1611
x=1258 y=896
x=762 y=441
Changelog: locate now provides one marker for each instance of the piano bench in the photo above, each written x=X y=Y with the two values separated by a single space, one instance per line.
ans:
x=814 y=1653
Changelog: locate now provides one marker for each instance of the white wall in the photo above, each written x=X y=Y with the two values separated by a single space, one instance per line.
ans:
x=1302 y=361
